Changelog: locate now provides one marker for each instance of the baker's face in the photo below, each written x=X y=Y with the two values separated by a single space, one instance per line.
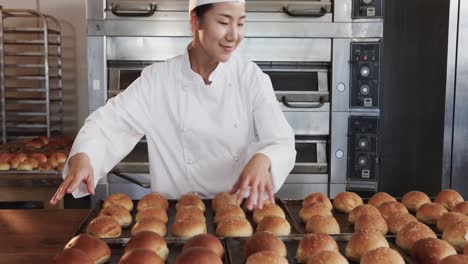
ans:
x=221 y=29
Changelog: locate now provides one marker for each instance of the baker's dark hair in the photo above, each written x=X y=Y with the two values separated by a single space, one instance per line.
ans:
x=202 y=9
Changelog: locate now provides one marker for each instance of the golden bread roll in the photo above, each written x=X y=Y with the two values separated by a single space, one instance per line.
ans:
x=45 y=140
x=449 y=198
x=317 y=198
x=363 y=241
x=234 y=227
x=26 y=165
x=223 y=199
x=228 y=211
x=156 y=212
x=206 y=241
x=429 y=213
x=92 y=246
x=431 y=250
x=198 y=255
x=268 y=209
x=264 y=240
x=104 y=227
x=457 y=234
x=45 y=166
x=61 y=166
x=266 y=257
x=345 y=202
x=314 y=209
x=364 y=209
x=150 y=224
x=461 y=208
x=275 y=224
x=34 y=163
x=379 y=198
x=53 y=162
x=189 y=211
x=5 y=157
x=455 y=259
x=14 y=163
x=382 y=255
x=398 y=220
x=21 y=157
x=148 y=240
x=328 y=257
x=119 y=213
x=141 y=256
x=312 y=244
x=38 y=156
x=414 y=199
x=119 y=199
x=375 y=222
x=389 y=208
x=325 y=224
x=59 y=156
x=411 y=233
x=153 y=200
x=72 y=256
x=449 y=219
x=34 y=144
x=4 y=166
x=190 y=199
x=189 y=227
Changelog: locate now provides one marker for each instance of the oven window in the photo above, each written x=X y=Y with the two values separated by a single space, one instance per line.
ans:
x=306 y=153
x=127 y=77
x=294 y=81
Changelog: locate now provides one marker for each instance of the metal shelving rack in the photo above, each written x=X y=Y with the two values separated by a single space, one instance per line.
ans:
x=31 y=74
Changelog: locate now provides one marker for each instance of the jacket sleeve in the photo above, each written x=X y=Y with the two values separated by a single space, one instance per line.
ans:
x=275 y=135
x=112 y=131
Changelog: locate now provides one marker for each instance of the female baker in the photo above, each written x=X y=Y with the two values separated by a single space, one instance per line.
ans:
x=211 y=120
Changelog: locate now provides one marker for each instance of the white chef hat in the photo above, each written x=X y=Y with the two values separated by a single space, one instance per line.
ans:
x=195 y=3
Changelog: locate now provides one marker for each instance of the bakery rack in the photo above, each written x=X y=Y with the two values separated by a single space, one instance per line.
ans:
x=31 y=74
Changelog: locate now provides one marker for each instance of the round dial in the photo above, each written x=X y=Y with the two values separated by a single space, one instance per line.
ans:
x=365 y=71
x=362 y=161
x=364 y=90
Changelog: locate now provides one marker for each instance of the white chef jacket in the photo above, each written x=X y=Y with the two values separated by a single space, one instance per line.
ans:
x=200 y=137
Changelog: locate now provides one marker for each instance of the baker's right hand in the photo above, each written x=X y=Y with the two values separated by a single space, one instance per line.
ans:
x=80 y=170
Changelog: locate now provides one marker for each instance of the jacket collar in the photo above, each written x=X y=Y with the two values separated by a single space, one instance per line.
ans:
x=192 y=76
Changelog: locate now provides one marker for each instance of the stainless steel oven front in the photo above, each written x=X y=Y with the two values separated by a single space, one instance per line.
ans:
x=323 y=58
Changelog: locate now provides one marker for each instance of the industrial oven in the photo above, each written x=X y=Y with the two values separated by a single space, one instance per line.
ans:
x=324 y=60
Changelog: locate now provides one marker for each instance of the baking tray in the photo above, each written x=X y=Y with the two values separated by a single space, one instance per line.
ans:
x=236 y=255
x=126 y=232
x=175 y=246
x=292 y=207
x=209 y=215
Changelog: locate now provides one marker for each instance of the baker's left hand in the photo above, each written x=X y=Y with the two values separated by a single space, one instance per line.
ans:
x=255 y=175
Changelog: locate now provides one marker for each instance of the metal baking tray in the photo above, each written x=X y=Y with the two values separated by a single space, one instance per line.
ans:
x=126 y=232
x=236 y=248
x=175 y=246
x=292 y=207
x=209 y=215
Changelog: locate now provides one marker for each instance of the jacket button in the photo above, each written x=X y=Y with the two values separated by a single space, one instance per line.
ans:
x=190 y=162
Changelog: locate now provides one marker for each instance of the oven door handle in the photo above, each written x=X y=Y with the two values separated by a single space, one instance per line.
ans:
x=130 y=179
x=322 y=13
x=133 y=13
x=319 y=104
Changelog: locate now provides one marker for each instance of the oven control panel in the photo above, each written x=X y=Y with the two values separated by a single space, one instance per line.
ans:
x=362 y=148
x=365 y=75
x=367 y=8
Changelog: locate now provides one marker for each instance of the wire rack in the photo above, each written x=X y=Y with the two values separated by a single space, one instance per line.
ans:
x=31 y=74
